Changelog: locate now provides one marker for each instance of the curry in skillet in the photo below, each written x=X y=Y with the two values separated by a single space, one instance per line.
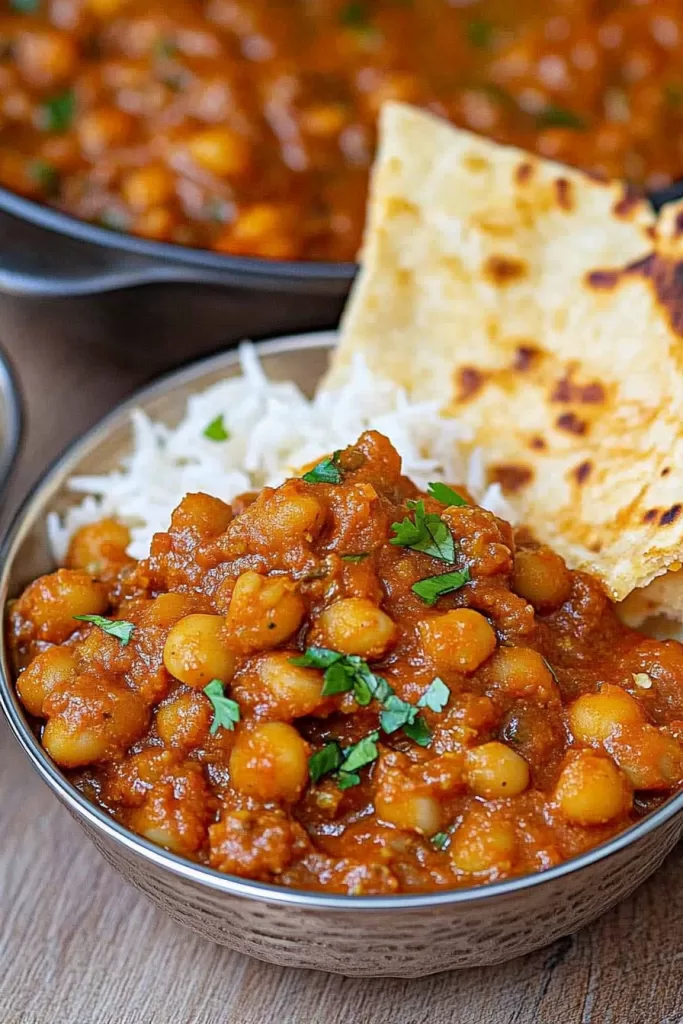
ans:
x=249 y=127
x=344 y=684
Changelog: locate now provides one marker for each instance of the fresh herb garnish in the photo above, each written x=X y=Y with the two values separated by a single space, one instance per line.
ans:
x=356 y=558
x=397 y=713
x=45 y=175
x=441 y=840
x=326 y=472
x=324 y=761
x=24 y=6
x=673 y=93
x=427 y=533
x=118 y=628
x=347 y=779
x=216 y=430
x=354 y=15
x=480 y=33
x=360 y=754
x=165 y=48
x=225 y=711
x=436 y=696
x=434 y=587
x=344 y=672
x=445 y=494
x=559 y=117
x=57 y=112
x=418 y=731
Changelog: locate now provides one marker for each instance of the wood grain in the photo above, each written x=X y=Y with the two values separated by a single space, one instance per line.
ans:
x=77 y=946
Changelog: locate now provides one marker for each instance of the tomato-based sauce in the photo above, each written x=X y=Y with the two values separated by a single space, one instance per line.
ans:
x=249 y=128
x=345 y=685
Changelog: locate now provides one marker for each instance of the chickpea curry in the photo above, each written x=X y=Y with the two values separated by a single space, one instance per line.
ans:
x=236 y=126
x=347 y=685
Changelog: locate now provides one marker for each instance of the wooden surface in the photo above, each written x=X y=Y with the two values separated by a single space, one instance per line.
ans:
x=77 y=946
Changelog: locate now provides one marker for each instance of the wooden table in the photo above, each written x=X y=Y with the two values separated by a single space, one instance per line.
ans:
x=77 y=946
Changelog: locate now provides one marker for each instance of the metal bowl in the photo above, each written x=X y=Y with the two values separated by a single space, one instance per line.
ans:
x=394 y=936
x=10 y=423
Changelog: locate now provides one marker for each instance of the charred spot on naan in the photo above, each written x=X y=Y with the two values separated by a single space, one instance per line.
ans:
x=469 y=381
x=502 y=271
x=512 y=477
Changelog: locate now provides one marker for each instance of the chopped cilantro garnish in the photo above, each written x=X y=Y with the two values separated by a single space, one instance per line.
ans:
x=24 y=6
x=354 y=15
x=559 y=117
x=45 y=175
x=118 y=628
x=441 y=840
x=347 y=779
x=165 y=48
x=356 y=558
x=57 y=112
x=418 y=731
x=434 y=587
x=397 y=713
x=326 y=472
x=324 y=761
x=480 y=33
x=427 y=533
x=344 y=672
x=445 y=494
x=216 y=430
x=360 y=754
x=225 y=711
x=435 y=696
x=673 y=93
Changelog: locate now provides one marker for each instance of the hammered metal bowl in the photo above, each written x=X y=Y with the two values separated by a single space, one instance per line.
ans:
x=392 y=936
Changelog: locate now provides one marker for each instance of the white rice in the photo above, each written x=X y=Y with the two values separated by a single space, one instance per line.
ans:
x=274 y=429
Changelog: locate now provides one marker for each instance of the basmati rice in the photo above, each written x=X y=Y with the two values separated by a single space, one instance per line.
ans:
x=273 y=429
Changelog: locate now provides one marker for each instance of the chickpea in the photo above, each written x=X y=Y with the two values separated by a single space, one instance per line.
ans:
x=167 y=609
x=221 y=151
x=592 y=791
x=541 y=578
x=148 y=187
x=648 y=758
x=270 y=762
x=157 y=223
x=324 y=120
x=98 y=130
x=91 y=720
x=184 y=722
x=593 y=717
x=48 y=669
x=263 y=229
x=461 y=640
x=289 y=690
x=201 y=515
x=355 y=625
x=263 y=612
x=46 y=57
x=483 y=844
x=412 y=811
x=521 y=672
x=52 y=601
x=96 y=545
x=494 y=770
x=286 y=516
x=179 y=825
x=196 y=651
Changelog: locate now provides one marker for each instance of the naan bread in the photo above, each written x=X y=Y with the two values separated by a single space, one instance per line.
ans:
x=545 y=309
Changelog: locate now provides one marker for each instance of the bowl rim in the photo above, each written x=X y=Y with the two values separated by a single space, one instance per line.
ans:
x=31 y=510
x=54 y=219
x=11 y=419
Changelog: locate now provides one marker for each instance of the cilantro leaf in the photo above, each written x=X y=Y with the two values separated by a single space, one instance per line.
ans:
x=354 y=15
x=316 y=657
x=480 y=33
x=118 y=628
x=396 y=714
x=355 y=558
x=553 y=116
x=57 y=112
x=427 y=533
x=324 y=761
x=344 y=672
x=24 y=6
x=326 y=472
x=434 y=587
x=46 y=176
x=418 y=731
x=435 y=696
x=225 y=711
x=445 y=494
x=216 y=430
x=441 y=840
x=347 y=779
x=337 y=679
x=360 y=754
